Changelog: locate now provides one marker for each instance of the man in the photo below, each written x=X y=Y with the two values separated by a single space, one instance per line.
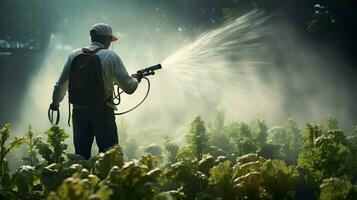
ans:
x=94 y=120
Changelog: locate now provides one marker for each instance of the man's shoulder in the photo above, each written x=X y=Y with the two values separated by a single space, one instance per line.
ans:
x=108 y=54
x=74 y=53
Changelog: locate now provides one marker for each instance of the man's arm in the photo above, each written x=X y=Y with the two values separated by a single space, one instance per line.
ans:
x=121 y=77
x=61 y=86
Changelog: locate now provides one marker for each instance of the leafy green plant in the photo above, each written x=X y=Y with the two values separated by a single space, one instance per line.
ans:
x=241 y=137
x=4 y=150
x=31 y=157
x=217 y=133
x=288 y=141
x=171 y=151
x=183 y=177
x=53 y=175
x=327 y=153
x=336 y=188
x=24 y=179
x=197 y=138
x=221 y=181
x=106 y=161
x=134 y=180
x=154 y=149
x=196 y=142
x=81 y=185
x=257 y=177
x=53 y=150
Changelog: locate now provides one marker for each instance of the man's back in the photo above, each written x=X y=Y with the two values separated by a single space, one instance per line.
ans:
x=113 y=71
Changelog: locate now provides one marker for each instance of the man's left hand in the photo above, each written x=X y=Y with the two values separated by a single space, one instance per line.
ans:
x=54 y=106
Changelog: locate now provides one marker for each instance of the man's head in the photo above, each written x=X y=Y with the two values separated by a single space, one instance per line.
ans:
x=103 y=34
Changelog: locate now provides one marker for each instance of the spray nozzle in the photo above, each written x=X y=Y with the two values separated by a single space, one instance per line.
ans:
x=148 y=71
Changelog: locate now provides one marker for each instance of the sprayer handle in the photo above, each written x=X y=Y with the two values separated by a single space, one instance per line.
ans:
x=137 y=76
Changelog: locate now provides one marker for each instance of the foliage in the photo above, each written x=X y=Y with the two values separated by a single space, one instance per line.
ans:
x=31 y=157
x=53 y=150
x=134 y=180
x=221 y=181
x=218 y=136
x=52 y=175
x=171 y=151
x=241 y=137
x=287 y=140
x=4 y=150
x=81 y=185
x=327 y=153
x=154 y=149
x=24 y=179
x=197 y=139
x=335 y=188
x=255 y=177
x=281 y=163
x=106 y=161
x=183 y=178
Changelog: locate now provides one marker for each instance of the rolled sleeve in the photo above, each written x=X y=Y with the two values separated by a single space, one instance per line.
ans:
x=121 y=77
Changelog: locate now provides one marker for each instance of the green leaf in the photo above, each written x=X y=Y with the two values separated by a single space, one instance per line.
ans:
x=106 y=161
x=334 y=188
x=24 y=178
x=16 y=142
x=44 y=149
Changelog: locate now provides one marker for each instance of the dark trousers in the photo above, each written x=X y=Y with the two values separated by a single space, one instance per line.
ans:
x=89 y=123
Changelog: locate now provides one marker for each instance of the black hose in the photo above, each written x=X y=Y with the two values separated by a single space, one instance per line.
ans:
x=133 y=108
x=117 y=97
x=50 y=116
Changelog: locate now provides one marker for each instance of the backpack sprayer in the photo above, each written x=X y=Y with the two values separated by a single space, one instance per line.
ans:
x=141 y=74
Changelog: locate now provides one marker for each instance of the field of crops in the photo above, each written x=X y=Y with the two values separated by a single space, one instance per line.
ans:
x=218 y=161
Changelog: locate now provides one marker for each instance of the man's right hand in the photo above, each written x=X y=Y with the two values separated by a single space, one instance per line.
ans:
x=137 y=76
x=54 y=106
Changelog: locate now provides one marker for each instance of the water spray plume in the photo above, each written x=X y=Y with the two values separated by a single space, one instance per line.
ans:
x=226 y=57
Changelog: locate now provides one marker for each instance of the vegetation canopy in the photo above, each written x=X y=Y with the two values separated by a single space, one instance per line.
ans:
x=218 y=161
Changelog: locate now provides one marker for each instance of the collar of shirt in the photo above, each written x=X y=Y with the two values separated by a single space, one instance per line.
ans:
x=95 y=45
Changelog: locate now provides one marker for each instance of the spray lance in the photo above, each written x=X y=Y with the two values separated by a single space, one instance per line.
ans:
x=140 y=74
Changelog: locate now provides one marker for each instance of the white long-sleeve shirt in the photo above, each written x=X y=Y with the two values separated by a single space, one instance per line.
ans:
x=113 y=71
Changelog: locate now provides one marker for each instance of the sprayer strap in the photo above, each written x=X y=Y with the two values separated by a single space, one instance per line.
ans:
x=69 y=113
x=85 y=50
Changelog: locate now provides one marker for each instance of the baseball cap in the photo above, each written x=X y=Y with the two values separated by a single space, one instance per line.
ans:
x=102 y=29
